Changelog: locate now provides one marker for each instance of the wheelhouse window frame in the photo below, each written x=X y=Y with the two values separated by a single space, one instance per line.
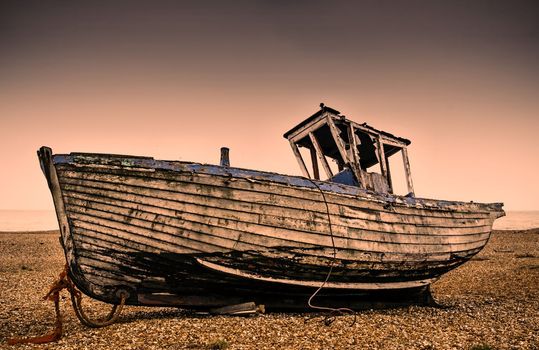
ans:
x=354 y=147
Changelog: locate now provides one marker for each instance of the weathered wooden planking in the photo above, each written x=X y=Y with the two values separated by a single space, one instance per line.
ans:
x=175 y=206
x=348 y=234
x=186 y=239
x=121 y=241
x=285 y=238
x=150 y=241
x=102 y=272
x=105 y=275
x=364 y=200
x=318 y=205
x=224 y=228
x=189 y=191
x=184 y=235
x=110 y=265
x=433 y=207
x=116 y=241
x=200 y=212
x=98 y=279
x=135 y=207
x=135 y=267
x=347 y=222
x=314 y=284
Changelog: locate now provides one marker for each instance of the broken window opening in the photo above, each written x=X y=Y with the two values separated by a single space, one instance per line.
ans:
x=349 y=153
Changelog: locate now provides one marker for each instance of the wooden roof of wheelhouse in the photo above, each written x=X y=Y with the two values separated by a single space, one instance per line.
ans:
x=354 y=147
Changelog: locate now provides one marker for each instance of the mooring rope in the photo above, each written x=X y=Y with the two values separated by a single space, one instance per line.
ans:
x=112 y=317
x=64 y=282
x=332 y=312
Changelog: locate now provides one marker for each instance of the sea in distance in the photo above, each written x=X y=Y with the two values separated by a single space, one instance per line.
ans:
x=45 y=220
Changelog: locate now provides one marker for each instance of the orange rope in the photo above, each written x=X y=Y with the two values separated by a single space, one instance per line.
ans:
x=64 y=282
x=53 y=295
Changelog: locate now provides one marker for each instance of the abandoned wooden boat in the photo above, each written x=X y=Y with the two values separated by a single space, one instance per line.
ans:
x=200 y=236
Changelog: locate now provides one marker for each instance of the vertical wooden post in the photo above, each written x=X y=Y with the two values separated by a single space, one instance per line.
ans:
x=389 y=181
x=407 y=170
x=299 y=158
x=338 y=140
x=356 y=167
x=321 y=156
x=381 y=156
x=314 y=162
x=384 y=164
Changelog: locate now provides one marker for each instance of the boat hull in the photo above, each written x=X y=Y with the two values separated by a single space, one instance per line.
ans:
x=178 y=233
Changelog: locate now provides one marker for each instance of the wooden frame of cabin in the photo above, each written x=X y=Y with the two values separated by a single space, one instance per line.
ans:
x=353 y=146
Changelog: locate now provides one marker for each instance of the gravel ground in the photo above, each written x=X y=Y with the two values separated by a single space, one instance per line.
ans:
x=491 y=302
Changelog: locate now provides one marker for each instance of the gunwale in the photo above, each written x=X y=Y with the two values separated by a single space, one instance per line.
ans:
x=357 y=202
x=149 y=165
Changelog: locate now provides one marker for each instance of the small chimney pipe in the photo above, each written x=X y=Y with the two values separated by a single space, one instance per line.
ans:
x=225 y=161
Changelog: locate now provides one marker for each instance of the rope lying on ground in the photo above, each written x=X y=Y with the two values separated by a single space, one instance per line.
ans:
x=64 y=282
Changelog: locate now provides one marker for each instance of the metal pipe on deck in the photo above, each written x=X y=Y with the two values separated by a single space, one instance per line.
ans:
x=225 y=160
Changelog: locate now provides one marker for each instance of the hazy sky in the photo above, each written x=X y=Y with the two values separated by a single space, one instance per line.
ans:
x=178 y=80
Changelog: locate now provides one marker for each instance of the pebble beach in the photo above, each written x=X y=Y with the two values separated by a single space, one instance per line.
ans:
x=491 y=302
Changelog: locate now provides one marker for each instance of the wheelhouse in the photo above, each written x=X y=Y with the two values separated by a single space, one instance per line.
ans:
x=356 y=149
